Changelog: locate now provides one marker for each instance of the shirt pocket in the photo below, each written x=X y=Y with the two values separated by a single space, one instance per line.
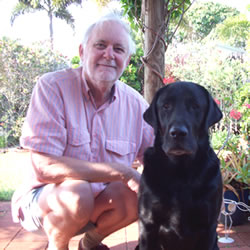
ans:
x=121 y=151
x=78 y=144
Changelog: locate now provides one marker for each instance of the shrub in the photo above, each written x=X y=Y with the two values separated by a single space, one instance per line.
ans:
x=20 y=67
x=234 y=31
x=224 y=75
x=75 y=62
x=131 y=75
x=203 y=17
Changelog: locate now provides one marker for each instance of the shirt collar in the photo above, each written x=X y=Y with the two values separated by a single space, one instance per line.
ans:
x=86 y=90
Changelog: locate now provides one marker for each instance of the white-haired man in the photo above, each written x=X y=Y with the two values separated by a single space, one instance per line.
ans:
x=84 y=129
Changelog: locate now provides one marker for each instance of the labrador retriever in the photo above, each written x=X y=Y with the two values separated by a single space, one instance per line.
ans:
x=180 y=192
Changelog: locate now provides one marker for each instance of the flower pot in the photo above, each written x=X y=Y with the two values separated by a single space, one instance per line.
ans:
x=238 y=217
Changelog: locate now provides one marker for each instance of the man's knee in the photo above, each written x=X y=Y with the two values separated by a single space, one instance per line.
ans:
x=125 y=200
x=72 y=198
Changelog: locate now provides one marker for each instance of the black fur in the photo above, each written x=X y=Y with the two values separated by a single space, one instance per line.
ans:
x=181 y=186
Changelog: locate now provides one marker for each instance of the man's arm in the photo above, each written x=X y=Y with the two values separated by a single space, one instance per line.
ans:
x=56 y=169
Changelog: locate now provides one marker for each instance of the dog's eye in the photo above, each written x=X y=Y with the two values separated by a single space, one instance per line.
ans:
x=167 y=106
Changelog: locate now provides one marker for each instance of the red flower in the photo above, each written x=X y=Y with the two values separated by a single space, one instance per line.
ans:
x=217 y=101
x=247 y=105
x=168 y=80
x=235 y=114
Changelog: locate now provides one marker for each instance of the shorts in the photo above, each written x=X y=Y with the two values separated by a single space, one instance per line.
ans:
x=30 y=214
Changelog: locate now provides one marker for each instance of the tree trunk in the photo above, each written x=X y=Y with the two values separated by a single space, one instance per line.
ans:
x=51 y=31
x=154 y=48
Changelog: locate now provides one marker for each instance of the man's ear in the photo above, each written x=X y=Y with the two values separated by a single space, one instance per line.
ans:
x=81 y=50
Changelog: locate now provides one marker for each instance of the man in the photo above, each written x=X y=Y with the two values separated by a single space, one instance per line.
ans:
x=84 y=129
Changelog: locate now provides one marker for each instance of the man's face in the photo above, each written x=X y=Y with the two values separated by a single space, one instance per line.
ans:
x=106 y=54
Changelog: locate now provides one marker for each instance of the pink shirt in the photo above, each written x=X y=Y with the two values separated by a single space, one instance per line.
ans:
x=62 y=119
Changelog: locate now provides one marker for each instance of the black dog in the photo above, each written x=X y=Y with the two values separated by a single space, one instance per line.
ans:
x=180 y=192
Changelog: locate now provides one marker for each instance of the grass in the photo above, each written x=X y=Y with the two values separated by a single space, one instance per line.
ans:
x=12 y=167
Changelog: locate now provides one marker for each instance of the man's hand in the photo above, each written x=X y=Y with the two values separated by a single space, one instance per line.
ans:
x=134 y=180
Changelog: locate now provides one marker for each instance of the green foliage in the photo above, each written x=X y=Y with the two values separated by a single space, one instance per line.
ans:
x=219 y=137
x=20 y=67
x=203 y=18
x=225 y=77
x=3 y=141
x=131 y=75
x=234 y=31
x=75 y=62
x=64 y=3
x=235 y=164
x=132 y=9
x=174 y=11
x=222 y=73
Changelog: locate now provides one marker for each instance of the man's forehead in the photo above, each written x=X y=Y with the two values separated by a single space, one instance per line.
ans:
x=110 y=31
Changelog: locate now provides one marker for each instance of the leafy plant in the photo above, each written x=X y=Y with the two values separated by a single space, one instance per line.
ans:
x=220 y=137
x=234 y=31
x=235 y=165
x=204 y=16
x=75 y=61
x=3 y=141
x=20 y=67
x=132 y=76
x=225 y=76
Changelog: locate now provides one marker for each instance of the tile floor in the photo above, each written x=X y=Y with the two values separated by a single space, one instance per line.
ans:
x=13 y=237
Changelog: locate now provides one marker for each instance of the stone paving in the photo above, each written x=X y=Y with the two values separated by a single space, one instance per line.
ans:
x=13 y=237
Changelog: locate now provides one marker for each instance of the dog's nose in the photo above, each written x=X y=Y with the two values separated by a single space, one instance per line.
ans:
x=178 y=131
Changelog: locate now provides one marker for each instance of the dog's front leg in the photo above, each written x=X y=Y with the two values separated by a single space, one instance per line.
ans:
x=148 y=237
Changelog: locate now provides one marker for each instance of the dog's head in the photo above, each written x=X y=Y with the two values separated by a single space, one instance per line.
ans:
x=181 y=114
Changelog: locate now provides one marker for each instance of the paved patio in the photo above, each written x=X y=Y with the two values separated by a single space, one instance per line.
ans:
x=13 y=237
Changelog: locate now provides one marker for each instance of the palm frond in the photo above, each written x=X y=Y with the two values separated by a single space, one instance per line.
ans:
x=35 y=4
x=21 y=9
x=66 y=16
x=65 y=3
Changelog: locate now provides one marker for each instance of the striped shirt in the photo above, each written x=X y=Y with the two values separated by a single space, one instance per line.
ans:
x=62 y=119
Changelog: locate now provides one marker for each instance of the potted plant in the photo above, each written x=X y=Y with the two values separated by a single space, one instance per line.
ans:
x=231 y=140
x=234 y=158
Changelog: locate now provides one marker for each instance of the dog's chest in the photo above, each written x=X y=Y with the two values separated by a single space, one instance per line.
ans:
x=175 y=206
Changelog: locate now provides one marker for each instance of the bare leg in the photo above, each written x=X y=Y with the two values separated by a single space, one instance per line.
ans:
x=69 y=206
x=115 y=208
x=65 y=210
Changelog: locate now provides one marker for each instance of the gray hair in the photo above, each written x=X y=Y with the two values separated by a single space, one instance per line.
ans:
x=111 y=17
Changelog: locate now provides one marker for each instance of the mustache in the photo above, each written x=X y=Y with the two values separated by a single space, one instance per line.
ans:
x=106 y=63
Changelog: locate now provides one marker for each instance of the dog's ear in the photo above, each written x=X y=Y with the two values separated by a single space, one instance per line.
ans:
x=214 y=114
x=150 y=115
